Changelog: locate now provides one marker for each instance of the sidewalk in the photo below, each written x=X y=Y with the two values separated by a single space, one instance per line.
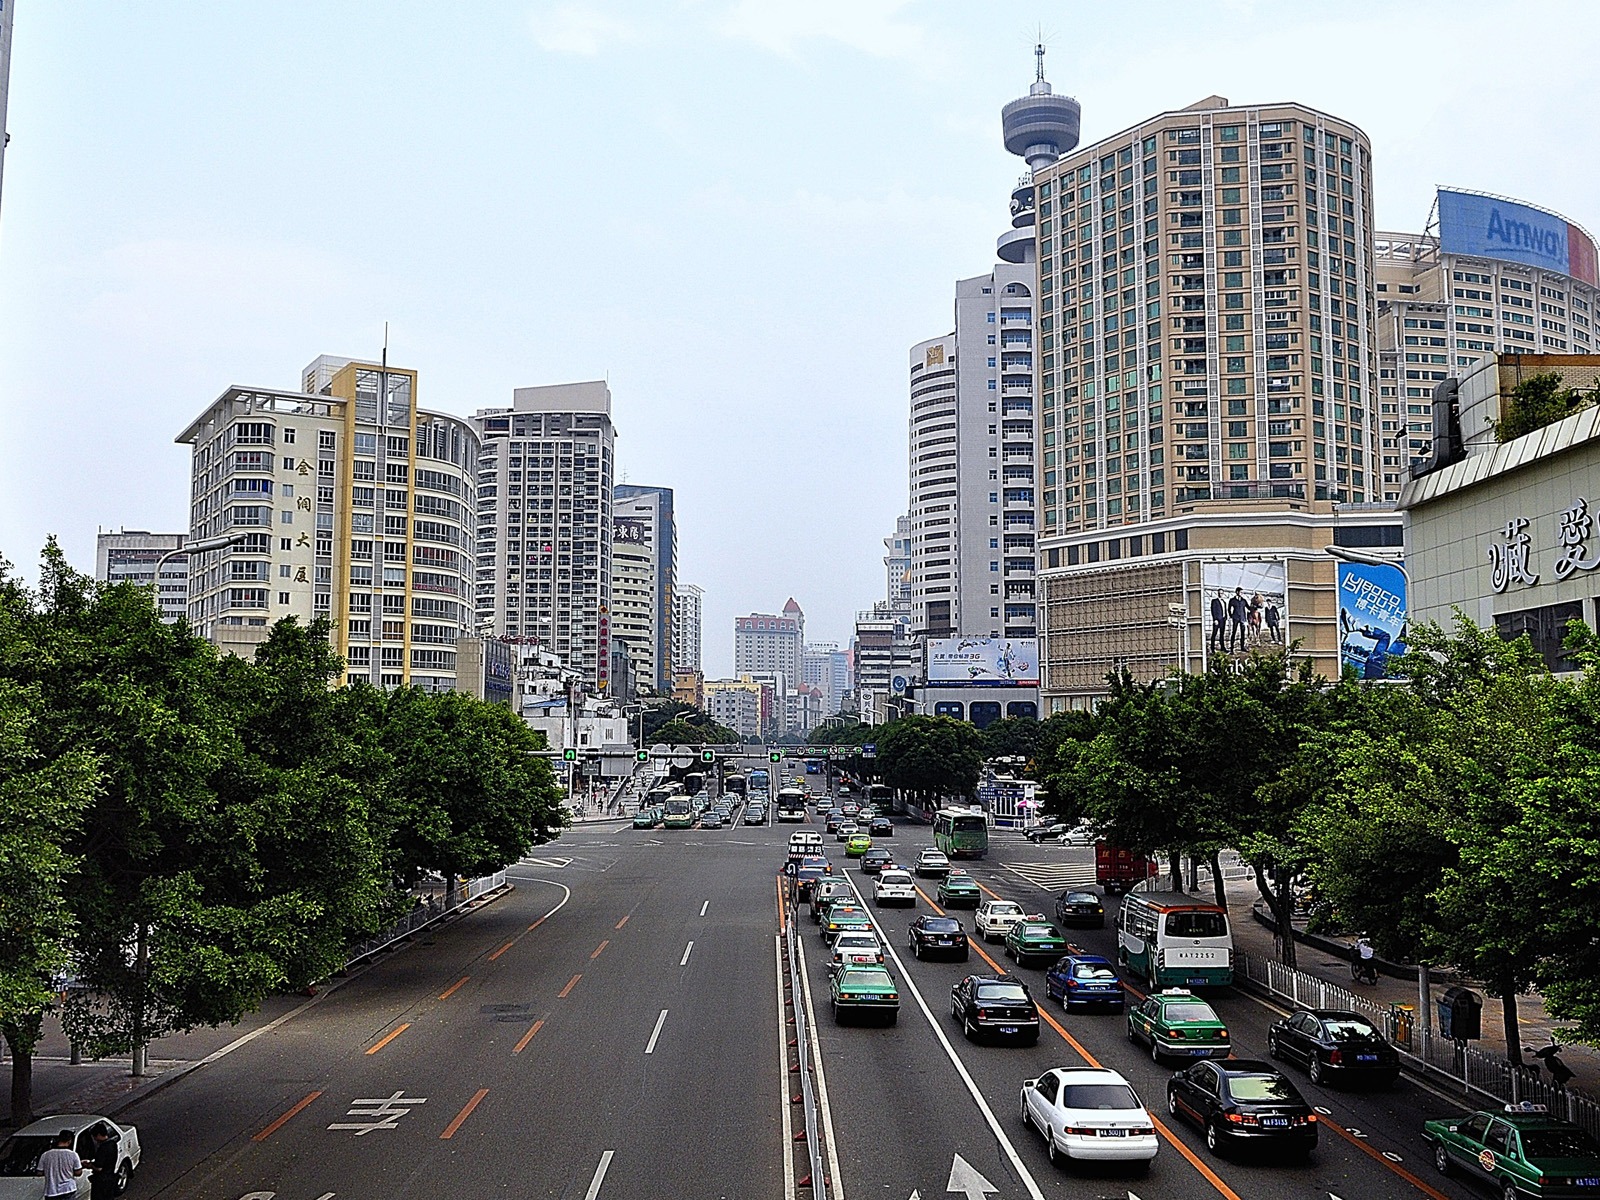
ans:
x=1329 y=958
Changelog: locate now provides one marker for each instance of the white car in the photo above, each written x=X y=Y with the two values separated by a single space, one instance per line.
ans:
x=995 y=918
x=851 y=949
x=847 y=831
x=894 y=887
x=1081 y=835
x=20 y=1176
x=933 y=862
x=1089 y=1114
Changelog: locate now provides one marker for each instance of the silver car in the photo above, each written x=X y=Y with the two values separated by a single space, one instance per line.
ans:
x=20 y=1176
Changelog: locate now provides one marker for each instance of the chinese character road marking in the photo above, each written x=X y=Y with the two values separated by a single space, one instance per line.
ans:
x=381 y=1113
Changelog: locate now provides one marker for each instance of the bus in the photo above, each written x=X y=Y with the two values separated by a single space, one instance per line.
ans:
x=694 y=783
x=881 y=797
x=961 y=832
x=679 y=812
x=1173 y=940
x=758 y=780
x=791 y=805
x=733 y=784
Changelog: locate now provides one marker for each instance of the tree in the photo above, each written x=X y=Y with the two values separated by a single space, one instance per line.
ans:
x=681 y=732
x=930 y=757
x=1535 y=402
x=1017 y=737
x=844 y=733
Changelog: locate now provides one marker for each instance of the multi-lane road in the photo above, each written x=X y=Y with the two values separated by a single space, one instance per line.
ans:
x=614 y=1027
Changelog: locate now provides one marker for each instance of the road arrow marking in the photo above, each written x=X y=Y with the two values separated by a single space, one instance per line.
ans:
x=966 y=1180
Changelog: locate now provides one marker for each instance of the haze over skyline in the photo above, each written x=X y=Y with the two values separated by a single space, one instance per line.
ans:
x=740 y=213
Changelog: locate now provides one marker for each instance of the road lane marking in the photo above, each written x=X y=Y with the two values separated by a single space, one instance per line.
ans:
x=784 y=1104
x=451 y=990
x=285 y=1118
x=389 y=1037
x=527 y=1037
x=783 y=916
x=599 y=1175
x=993 y=1121
x=501 y=951
x=566 y=894
x=622 y=922
x=450 y=1129
x=704 y=906
x=598 y=950
x=567 y=991
x=684 y=961
x=1377 y=1156
x=650 y=1046
x=835 y=1178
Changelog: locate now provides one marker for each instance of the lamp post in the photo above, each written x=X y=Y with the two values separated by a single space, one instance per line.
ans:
x=1345 y=554
x=189 y=548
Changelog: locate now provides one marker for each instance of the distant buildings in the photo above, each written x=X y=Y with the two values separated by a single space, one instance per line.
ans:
x=765 y=644
x=687 y=601
x=645 y=531
x=739 y=704
x=132 y=554
x=826 y=667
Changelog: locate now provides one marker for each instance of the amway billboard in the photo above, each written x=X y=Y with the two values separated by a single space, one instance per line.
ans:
x=983 y=662
x=1487 y=227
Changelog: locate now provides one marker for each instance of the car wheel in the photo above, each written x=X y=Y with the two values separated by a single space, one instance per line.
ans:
x=1131 y=1036
x=1441 y=1159
x=1214 y=1138
x=1318 y=1075
x=1509 y=1192
x=1027 y=1117
x=894 y=1018
x=1273 y=1049
x=1155 y=1052
x=965 y=955
x=969 y=1029
x=1054 y=1155
x=916 y=951
x=120 y=1181
x=1172 y=1102
x=838 y=1017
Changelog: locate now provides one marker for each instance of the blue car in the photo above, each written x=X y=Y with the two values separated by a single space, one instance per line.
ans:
x=1081 y=980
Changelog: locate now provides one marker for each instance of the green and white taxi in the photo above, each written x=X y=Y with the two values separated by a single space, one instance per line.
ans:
x=1517 y=1152
x=1033 y=939
x=958 y=889
x=864 y=991
x=1175 y=1023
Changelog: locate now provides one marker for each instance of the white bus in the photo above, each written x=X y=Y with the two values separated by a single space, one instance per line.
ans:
x=791 y=805
x=1173 y=940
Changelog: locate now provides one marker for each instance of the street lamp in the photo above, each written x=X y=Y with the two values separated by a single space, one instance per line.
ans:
x=1345 y=554
x=189 y=548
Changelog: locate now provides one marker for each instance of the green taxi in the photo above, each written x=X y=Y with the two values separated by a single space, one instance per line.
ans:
x=858 y=845
x=1519 y=1151
x=959 y=890
x=864 y=991
x=1175 y=1023
x=840 y=917
x=1034 y=939
x=645 y=819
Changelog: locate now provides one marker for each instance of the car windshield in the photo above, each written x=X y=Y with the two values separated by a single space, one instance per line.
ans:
x=1112 y=1096
x=1349 y=1029
x=1261 y=1087
x=1093 y=971
x=1080 y=898
x=865 y=979
x=941 y=924
x=1002 y=993
x=20 y=1155
x=933 y=855
x=1558 y=1142
x=856 y=941
x=1197 y=924
x=1191 y=1010
x=1004 y=908
x=896 y=877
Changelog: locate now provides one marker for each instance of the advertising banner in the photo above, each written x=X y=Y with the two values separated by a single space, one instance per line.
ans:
x=983 y=662
x=1372 y=617
x=1246 y=605
x=630 y=530
x=1488 y=227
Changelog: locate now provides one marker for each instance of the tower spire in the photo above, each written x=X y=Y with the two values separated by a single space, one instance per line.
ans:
x=1038 y=53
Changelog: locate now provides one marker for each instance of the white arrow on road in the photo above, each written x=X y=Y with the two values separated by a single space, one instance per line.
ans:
x=966 y=1180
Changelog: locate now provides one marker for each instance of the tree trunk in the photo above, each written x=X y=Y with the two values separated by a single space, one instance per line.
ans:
x=1508 y=1001
x=21 y=1044
x=1175 y=866
x=141 y=1000
x=1283 y=908
x=1217 y=890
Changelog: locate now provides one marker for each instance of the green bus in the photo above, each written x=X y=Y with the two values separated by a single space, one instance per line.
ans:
x=1173 y=940
x=961 y=832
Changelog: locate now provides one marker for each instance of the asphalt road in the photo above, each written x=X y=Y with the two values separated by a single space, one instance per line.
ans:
x=569 y=1041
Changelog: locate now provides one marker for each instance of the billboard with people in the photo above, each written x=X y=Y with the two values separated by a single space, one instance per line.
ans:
x=1372 y=617
x=983 y=662
x=1246 y=605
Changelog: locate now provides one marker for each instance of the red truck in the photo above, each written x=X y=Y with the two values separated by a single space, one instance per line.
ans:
x=1117 y=870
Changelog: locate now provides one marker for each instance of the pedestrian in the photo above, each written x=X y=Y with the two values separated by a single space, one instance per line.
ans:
x=1274 y=617
x=1219 y=620
x=1238 y=618
x=103 y=1182
x=61 y=1166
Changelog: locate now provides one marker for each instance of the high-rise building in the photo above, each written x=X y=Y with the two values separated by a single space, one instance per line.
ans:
x=764 y=644
x=687 y=602
x=738 y=704
x=1207 y=379
x=354 y=504
x=633 y=597
x=644 y=520
x=972 y=522
x=7 y=9
x=1490 y=275
x=544 y=523
x=897 y=565
x=826 y=667
x=132 y=555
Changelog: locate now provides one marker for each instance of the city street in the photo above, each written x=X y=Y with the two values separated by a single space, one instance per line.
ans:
x=611 y=1028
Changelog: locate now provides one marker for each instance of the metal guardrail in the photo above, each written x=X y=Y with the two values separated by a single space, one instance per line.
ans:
x=422 y=916
x=1478 y=1073
x=808 y=1093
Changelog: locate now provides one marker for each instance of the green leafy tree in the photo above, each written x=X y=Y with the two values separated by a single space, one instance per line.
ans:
x=1535 y=402
x=930 y=757
x=846 y=733
x=682 y=733
x=1013 y=737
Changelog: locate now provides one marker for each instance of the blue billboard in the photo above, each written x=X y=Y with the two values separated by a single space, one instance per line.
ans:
x=1372 y=617
x=1488 y=227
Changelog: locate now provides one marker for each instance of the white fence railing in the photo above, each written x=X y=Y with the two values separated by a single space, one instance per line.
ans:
x=425 y=913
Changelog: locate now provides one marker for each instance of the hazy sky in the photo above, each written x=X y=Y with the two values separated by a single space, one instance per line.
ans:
x=741 y=212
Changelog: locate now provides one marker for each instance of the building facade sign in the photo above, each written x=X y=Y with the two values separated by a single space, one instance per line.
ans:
x=1372 y=617
x=1511 y=549
x=983 y=662
x=1489 y=227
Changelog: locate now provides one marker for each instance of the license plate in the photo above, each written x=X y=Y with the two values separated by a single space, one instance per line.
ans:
x=1366 y=1058
x=1589 y=1181
x=1275 y=1122
x=1196 y=980
x=1122 y=1133
x=945 y=942
x=1008 y=1029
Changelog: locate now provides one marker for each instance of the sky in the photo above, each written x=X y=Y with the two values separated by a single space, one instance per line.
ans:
x=742 y=213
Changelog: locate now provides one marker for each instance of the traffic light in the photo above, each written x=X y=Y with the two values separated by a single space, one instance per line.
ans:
x=641 y=756
x=569 y=755
x=708 y=756
x=774 y=756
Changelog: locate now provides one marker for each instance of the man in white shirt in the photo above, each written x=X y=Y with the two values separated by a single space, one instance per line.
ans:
x=61 y=1167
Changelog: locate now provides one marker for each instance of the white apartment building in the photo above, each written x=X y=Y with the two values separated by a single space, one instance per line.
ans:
x=826 y=667
x=765 y=644
x=633 y=593
x=644 y=525
x=131 y=555
x=353 y=504
x=735 y=703
x=687 y=603
x=544 y=523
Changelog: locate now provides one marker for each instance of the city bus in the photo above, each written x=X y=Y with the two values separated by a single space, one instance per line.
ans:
x=678 y=812
x=791 y=805
x=693 y=783
x=1173 y=940
x=961 y=832
x=881 y=797
x=758 y=780
x=733 y=784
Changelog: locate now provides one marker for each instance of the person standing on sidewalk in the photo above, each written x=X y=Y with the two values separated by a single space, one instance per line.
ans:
x=61 y=1167
x=103 y=1183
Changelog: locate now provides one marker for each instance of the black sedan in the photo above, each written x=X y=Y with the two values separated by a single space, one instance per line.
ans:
x=1081 y=909
x=874 y=861
x=997 y=1005
x=1043 y=833
x=881 y=827
x=1334 y=1043
x=932 y=935
x=1241 y=1101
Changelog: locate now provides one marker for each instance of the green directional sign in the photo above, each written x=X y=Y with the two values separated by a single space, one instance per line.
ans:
x=708 y=756
x=569 y=755
x=641 y=756
x=774 y=756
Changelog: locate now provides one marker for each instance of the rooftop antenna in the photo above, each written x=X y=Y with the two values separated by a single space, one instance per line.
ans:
x=1038 y=53
x=386 y=345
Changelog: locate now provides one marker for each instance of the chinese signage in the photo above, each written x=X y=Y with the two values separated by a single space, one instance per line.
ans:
x=1372 y=617
x=1511 y=550
x=630 y=531
x=983 y=662
x=1489 y=227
